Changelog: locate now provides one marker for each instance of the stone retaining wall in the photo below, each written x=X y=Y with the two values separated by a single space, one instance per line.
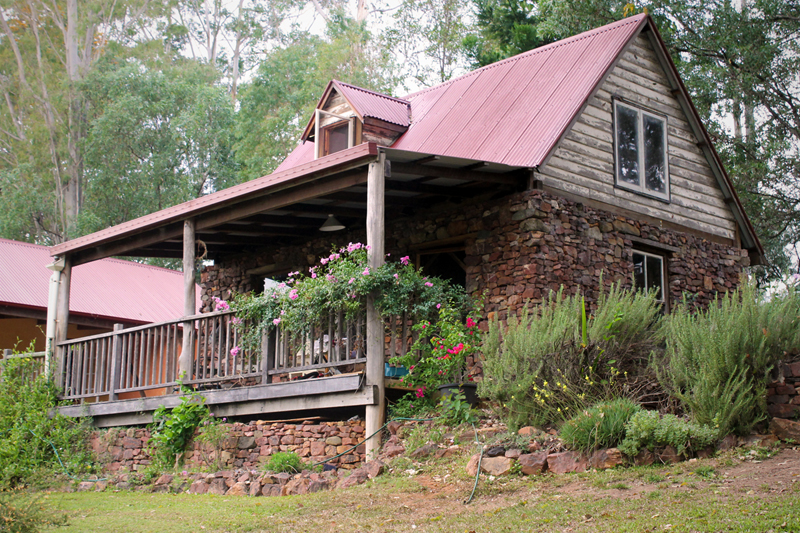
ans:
x=247 y=447
x=783 y=398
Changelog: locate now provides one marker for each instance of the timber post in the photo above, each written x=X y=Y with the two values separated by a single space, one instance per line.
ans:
x=187 y=352
x=116 y=363
x=375 y=413
x=62 y=320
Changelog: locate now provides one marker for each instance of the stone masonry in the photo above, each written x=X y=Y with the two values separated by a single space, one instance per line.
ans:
x=783 y=398
x=248 y=446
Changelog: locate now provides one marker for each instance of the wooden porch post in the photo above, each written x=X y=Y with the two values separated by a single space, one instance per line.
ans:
x=62 y=320
x=187 y=352
x=375 y=332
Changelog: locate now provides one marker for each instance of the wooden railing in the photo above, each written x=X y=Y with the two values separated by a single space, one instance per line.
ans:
x=144 y=358
x=30 y=371
x=130 y=362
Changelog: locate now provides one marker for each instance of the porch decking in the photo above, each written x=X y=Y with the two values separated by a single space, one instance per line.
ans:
x=121 y=377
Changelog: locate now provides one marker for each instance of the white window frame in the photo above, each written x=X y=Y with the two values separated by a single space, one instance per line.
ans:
x=642 y=187
x=318 y=142
x=663 y=260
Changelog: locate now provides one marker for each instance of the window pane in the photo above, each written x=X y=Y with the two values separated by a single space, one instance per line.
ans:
x=654 y=276
x=638 y=271
x=627 y=145
x=337 y=139
x=655 y=176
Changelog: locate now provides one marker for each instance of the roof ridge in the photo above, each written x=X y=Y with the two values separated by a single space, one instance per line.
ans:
x=569 y=40
x=374 y=93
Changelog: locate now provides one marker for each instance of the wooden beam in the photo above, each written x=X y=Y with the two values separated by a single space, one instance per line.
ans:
x=62 y=319
x=128 y=244
x=187 y=351
x=375 y=414
x=435 y=190
x=508 y=178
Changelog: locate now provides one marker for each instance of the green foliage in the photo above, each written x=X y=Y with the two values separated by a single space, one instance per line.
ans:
x=549 y=362
x=600 y=426
x=23 y=513
x=213 y=433
x=341 y=282
x=504 y=28
x=288 y=462
x=648 y=429
x=412 y=406
x=172 y=429
x=456 y=409
x=718 y=360
x=28 y=434
x=440 y=352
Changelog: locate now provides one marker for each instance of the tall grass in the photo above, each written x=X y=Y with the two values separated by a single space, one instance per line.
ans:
x=554 y=359
x=718 y=361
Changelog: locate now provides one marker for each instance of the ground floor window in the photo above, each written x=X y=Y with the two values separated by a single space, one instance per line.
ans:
x=648 y=273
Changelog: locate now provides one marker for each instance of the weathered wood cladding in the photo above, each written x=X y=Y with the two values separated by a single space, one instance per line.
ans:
x=370 y=130
x=583 y=163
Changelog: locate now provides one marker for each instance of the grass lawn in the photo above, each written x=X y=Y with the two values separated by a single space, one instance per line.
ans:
x=732 y=493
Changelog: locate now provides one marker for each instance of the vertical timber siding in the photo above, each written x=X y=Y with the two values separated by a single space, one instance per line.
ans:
x=583 y=163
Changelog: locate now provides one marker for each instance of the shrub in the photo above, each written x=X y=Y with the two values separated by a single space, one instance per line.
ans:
x=412 y=405
x=550 y=362
x=213 y=433
x=29 y=436
x=648 y=429
x=600 y=426
x=21 y=513
x=172 y=430
x=718 y=361
x=284 y=462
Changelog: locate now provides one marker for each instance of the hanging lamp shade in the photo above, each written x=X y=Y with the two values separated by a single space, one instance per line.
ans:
x=331 y=224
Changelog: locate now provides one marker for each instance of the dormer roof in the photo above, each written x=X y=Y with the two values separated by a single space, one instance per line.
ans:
x=365 y=104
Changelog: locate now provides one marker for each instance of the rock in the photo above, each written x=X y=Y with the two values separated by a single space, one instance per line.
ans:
x=131 y=443
x=296 y=487
x=705 y=453
x=282 y=478
x=424 y=451
x=356 y=477
x=496 y=466
x=593 y=233
x=566 y=462
x=334 y=441
x=392 y=451
x=624 y=227
x=255 y=488
x=85 y=486
x=101 y=485
x=606 y=459
x=246 y=443
x=318 y=485
x=534 y=224
x=669 y=456
x=447 y=452
x=533 y=463
x=393 y=426
x=785 y=429
x=218 y=487
x=198 y=487
x=606 y=227
x=527 y=431
x=495 y=451
x=373 y=468
x=513 y=454
x=472 y=465
x=238 y=489
x=644 y=458
x=165 y=479
x=317 y=448
x=728 y=443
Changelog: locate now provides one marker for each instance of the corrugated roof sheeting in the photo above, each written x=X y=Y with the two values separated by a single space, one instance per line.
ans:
x=109 y=288
x=371 y=104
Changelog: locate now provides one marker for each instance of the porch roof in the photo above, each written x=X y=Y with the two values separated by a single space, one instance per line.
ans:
x=293 y=203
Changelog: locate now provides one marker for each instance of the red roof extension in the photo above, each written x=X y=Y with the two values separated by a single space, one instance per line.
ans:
x=110 y=288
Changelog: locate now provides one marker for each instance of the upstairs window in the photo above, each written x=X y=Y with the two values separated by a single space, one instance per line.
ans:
x=336 y=137
x=640 y=138
x=648 y=274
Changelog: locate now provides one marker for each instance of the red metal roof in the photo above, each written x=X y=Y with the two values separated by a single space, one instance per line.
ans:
x=110 y=288
x=371 y=104
x=512 y=112
x=217 y=200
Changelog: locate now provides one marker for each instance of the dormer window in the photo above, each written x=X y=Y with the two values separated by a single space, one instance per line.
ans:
x=334 y=137
x=640 y=139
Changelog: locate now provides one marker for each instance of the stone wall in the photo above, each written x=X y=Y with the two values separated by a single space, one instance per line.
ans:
x=518 y=249
x=248 y=446
x=783 y=398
